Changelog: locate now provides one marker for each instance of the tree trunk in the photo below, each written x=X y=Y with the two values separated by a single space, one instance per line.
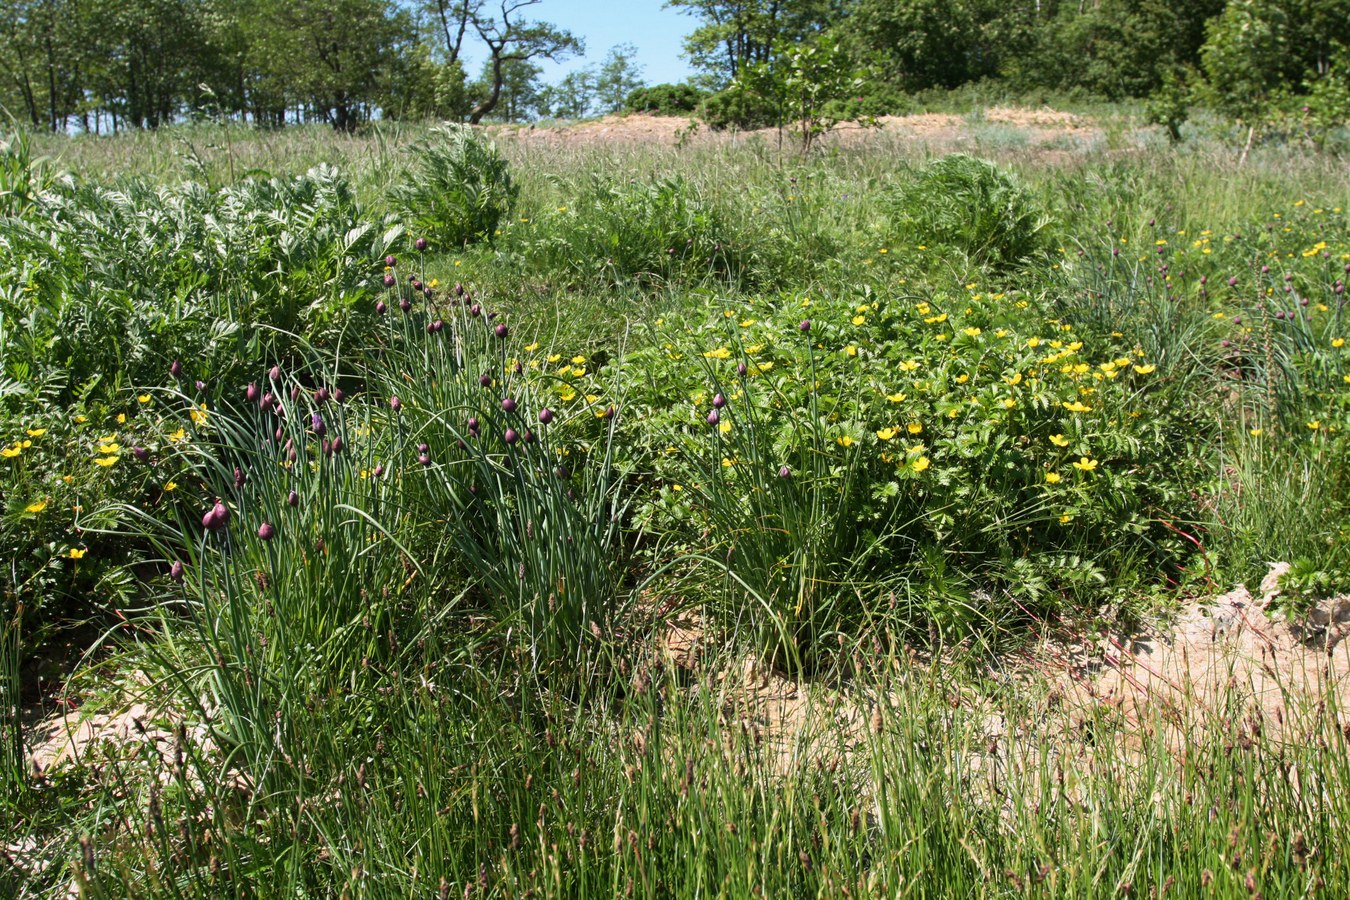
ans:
x=490 y=103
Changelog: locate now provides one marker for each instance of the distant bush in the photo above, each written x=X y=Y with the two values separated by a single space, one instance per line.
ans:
x=738 y=107
x=456 y=190
x=972 y=205
x=664 y=99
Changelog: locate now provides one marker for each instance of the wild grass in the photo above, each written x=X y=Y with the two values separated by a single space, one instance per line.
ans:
x=394 y=541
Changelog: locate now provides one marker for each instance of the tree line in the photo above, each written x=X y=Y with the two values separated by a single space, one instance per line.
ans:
x=104 y=65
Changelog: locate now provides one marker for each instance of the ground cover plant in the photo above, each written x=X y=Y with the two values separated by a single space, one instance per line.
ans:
x=647 y=520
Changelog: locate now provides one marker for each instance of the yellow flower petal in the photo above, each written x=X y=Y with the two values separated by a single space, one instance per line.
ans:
x=76 y=553
x=36 y=432
x=1053 y=478
x=106 y=461
x=37 y=507
x=1059 y=440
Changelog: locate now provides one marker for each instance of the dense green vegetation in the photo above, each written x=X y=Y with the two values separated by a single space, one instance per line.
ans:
x=376 y=467
x=1278 y=66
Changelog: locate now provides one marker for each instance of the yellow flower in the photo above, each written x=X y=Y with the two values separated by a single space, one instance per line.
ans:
x=109 y=448
x=106 y=461
x=726 y=463
x=177 y=436
x=1085 y=465
x=10 y=452
x=1059 y=440
x=567 y=395
x=1009 y=403
x=37 y=507
x=198 y=416
x=67 y=478
x=909 y=365
x=171 y=486
x=1257 y=432
x=724 y=427
x=1077 y=407
x=962 y=378
x=1315 y=424
x=972 y=332
x=1066 y=518
x=1052 y=478
x=121 y=418
x=36 y=432
x=845 y=441
x=1015 y=380
x=886 y=434
x=765 y=366
x=554 y=357
x=921 y=463
x=578 y=360
x=76 y=553
x=851 y=350
x=1335 y=342
x=719 y=353
x=1033 y=342
x=143 y=398
x=80 y=420
x=677 y=487
x=896 y=398
x=530 y=348
x=1145 y=370
x=914 y=428
x=936 y=320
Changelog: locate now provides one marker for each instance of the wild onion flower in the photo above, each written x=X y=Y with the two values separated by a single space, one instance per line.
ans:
x=266 y=532
x=501 y=330
x=321 y=395
x=140 y=453
x=175 y=368
x=475 y=310
x=529 y=436
x=390 y=261
x=784 y=472
x=485 y=380
x=265 y=401
x=201 y=386
x=545 y=416
x=719 y=401
x=1232 y=281
x=805 y=326
x=405 y=304
x=473 y=424
x=416 y=285
x=338 y=395
x=337 y=443
x=420 y=244
x=424 y=459
x=317 y=425
x=608 y=413
x=423 y=448
x=740 y=369
x=378 y=470
x=713 y=417
x=217 y=517
x=238 y=478
x=251 y=393
x=510 y=436
x=437 y=325
x=395 y=404
x=380 y=307
x=508 y=405
x=275 y=373
x=293 y=498
x=389 y=281
x=176 y=571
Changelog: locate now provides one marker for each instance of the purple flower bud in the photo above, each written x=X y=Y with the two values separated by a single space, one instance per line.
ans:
x=201 y=386
x=1115 y=251
x=176 y=571
x=295 y=392
x=388 y=281
x=545 y=416
x=275 y=373
x=420 y=244
x=404 y=304
x=529 y=437
x=741 y=369
x=217 y=517
x=805 y=325
x=501 y=330
x=424 y=459
x=719 y=401
x=339 y=396
x=416 y=285
x=390 y=261
x=1225 y=344
x=473 y=423
x=422 y=448
x=238 y=478
x=713 y=418
x=395 y=404
x=337 y=443
x=784 y=472
x=380 y=307
x=437 y=325
x=508 y=405
x=265 y=400
x=1232 y=281
x=175 y=368
x=293 y=498
x=510 y=436
x=251 y=393
x=266 y=532
x=485 y=380
x=317 y=425
x=1237 y=320
x=321 y=395
x=378 y=470
x=1204 y=279
x=608 y=413
x=1265 y=270
x=140 y=453
x=327 y=447
x=475 y=310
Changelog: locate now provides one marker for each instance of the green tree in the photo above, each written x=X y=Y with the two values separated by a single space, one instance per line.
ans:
x=511 y=39
x=735 y=34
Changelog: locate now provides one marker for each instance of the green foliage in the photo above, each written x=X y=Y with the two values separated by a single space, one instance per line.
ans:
x=970 y=205
x=456 y=189
x=739 y=106
x=664 y=99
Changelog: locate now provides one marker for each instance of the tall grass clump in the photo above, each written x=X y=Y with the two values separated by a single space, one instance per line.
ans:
x=456 y=188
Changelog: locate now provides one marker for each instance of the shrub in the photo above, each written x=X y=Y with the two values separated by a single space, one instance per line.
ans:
x=972 y=205
x=664 y=99
x=738 y=107
x=457 y=189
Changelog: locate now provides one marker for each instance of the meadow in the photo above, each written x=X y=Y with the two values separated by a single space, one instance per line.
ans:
x=466 y=513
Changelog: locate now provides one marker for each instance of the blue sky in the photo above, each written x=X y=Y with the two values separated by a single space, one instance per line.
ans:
x=657 y=33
